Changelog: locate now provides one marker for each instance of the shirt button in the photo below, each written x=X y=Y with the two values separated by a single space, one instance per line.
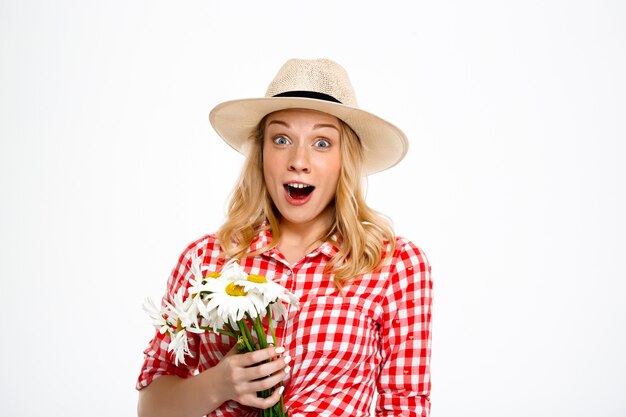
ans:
x=411 y=337
x=406 y=372
x=397 y=321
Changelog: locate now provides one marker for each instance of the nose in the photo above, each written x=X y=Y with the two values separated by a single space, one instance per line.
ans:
x=299 y=159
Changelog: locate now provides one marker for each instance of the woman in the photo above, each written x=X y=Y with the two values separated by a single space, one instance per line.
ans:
x=298 y=216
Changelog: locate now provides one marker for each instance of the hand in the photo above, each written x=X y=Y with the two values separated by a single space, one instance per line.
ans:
x=242 y=375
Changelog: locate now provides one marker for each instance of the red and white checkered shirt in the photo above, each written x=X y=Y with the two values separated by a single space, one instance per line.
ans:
x=376 y=336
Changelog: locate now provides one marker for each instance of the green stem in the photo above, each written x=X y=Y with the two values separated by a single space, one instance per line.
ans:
x=245 y=334
x=232 y=334
x=281 y=405
x=270 y=324
x=257 y=324
x=229 y=327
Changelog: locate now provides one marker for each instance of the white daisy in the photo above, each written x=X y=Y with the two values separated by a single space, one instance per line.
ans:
x=209 y=317
x=270 y=290
x=199 y=292
x=183 y=311
x=211 y=321
x=158 y=317
x=232 y=271
x=199 y=279
x=273 y=294
x=291 y=298
x=278 y=311
x=180 y=346
x=232 y=302
x=196 y=266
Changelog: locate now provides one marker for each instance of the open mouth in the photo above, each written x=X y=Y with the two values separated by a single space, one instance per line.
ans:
x=298 y=191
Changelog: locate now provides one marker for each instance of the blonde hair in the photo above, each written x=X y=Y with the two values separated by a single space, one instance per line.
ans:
x=359 y=232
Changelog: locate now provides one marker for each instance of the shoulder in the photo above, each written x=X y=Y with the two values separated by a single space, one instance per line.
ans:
x=409 y=264
x=408 y=275
x=207 y=248
x=202 y=245
x=407 y=250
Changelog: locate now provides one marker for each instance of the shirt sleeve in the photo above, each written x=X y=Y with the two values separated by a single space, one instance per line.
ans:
x=404 y=380
x=157 y=360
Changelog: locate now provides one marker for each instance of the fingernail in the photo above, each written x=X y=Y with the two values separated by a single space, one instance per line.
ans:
x=281 y=389
x=287 y=359
x=287 y=369
x=279 y=350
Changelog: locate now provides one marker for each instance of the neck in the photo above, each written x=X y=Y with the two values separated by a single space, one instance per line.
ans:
x=300 y=234
x=298 y=239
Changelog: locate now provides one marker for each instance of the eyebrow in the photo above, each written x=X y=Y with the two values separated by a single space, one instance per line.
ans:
x=316 y=126
x=323 y=125
x=278 y=122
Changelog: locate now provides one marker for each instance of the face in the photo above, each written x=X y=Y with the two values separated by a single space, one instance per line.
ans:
x=301 y=165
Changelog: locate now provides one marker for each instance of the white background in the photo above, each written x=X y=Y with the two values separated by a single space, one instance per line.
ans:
x=513 y=185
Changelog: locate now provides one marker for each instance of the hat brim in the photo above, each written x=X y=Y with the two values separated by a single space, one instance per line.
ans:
x=384 y=144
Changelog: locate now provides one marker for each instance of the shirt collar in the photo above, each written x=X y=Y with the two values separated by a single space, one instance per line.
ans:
x=325 y=248
x=264 y=238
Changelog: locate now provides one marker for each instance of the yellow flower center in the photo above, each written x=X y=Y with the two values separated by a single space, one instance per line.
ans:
x=235 y=290
x=179 y=325
x=259 y=279
x=213 y=275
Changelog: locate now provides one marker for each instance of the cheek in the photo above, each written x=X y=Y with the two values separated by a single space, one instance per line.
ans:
x=335 y=169
x=271 y=176
x=269 y=168
x=267 y=179
x=267 y=163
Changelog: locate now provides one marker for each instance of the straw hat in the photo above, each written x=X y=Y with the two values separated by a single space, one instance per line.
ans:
x=317 y=84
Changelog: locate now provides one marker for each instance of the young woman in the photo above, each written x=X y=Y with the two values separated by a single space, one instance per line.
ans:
x=298 y=216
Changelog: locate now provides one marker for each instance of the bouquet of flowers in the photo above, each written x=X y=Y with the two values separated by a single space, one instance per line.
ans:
x=229 y=302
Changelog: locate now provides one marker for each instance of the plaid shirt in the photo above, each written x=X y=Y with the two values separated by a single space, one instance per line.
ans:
x=376 y=336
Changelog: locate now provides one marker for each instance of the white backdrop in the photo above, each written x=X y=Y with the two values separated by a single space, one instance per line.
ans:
x=513 y=185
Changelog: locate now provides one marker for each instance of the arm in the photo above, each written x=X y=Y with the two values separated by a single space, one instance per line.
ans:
x=169 y=389
x=404 y=380
x=233 y=378
x=170 y=395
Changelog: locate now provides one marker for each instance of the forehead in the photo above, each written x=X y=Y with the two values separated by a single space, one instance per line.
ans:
x=302 y=115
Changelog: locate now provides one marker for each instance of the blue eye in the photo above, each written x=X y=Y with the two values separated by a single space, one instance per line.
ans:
x=281 y=140
x=322 y=143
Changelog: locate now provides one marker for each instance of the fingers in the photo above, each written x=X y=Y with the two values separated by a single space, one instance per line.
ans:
x=264 y=403
x=271 y=380
x=251 y=399
x=258 y=356
x=277 y=369
x=252 y=372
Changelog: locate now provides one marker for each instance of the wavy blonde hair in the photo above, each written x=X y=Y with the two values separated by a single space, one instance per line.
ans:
x=359 y=232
